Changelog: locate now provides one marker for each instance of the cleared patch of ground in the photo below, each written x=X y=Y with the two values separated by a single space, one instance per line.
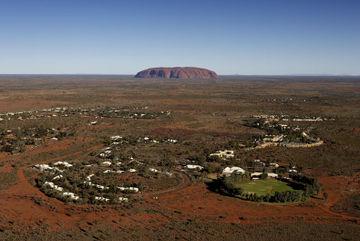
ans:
x=264 y=187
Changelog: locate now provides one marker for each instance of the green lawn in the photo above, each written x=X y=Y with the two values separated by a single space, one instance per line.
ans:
x=263 y=187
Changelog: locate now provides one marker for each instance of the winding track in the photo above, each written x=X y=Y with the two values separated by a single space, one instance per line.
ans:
x=184 y=182
x=184 y=178
x=23 y=188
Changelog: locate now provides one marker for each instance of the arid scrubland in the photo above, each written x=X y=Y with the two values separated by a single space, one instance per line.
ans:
x=110 y=157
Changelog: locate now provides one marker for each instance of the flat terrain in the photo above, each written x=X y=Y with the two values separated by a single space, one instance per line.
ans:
x=264 y=187
x=174 y=203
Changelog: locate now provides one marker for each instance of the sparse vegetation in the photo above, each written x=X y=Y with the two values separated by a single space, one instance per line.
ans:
x=171 y=148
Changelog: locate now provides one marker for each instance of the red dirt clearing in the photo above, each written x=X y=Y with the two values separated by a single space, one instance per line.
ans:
x=197 y=201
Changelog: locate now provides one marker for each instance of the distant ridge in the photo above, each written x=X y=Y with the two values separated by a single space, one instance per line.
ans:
x=177 y=73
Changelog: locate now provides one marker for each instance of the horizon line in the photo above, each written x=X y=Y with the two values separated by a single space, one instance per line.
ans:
x=225 y=75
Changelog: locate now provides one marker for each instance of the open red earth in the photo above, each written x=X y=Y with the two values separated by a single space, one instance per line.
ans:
x=209 y=117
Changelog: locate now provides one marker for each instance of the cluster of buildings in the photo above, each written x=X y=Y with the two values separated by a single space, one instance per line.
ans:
x=103 y=165
x=280 y=133
x=257 y=168
x=15 y=140
x=291 y=118
x=97 y=112
x=57 y=173
x=225 y=154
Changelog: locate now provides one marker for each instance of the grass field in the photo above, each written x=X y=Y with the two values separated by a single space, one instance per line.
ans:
x=264 y=187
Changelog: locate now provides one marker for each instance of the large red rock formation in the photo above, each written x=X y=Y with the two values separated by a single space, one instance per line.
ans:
x=177 y=73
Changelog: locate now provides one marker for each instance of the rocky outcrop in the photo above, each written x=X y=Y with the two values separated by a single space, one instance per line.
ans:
x=177 y=73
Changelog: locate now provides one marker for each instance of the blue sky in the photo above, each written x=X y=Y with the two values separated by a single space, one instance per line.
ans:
x=228 y=36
